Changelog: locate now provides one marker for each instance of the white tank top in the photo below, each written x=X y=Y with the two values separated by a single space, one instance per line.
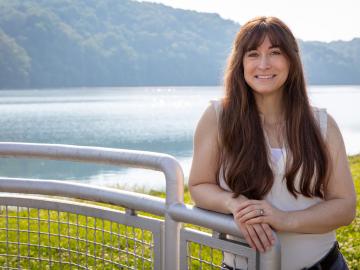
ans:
x=298 y=250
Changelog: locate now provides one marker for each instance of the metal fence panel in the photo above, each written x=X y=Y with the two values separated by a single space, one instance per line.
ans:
x=209 y=250
x=38 y=232
x=86 y=236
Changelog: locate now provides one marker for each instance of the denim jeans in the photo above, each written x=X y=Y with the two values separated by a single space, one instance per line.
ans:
x=339 y=264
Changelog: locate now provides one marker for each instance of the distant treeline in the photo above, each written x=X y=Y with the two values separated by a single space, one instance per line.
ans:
x=70 y=43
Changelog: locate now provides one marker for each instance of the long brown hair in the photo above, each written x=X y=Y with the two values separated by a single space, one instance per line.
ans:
x=244 y=155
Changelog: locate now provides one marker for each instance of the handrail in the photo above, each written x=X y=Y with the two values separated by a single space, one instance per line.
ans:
x=149 y=160
x=127 y=199
x=172 y=208
x=121 y=157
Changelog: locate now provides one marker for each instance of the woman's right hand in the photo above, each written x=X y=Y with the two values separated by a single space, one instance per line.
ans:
x=259 y=236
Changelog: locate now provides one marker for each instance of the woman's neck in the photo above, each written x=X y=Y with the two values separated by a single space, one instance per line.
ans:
x=271 y=108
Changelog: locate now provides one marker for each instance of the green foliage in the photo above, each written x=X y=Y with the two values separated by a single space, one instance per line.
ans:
x=332 y=63
x=66 y=43
x=60 y=238
x=91 y=43
x=14 y=63
x=349 y=236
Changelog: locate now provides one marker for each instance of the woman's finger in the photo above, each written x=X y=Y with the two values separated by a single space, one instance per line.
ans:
x=254 y=210
x=247 y=237
x=256 y=220
x=250 y=215
x=269 y=232
x=265 y=241
x=246 y=204
x=255 y=238
x=245 y=234
x=247 y=210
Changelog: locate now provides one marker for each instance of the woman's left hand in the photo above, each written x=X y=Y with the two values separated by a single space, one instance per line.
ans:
x=260 y=211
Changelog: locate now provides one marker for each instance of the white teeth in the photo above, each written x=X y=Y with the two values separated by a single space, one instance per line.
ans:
x=265 y=76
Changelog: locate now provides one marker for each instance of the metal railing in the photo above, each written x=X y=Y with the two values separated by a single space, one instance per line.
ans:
x=64 y=225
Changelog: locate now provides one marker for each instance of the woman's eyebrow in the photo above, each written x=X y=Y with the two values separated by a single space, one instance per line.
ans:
x=271 y=47
x=251 y=49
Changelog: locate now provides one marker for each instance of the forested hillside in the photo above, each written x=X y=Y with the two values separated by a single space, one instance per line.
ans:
x=65 y=43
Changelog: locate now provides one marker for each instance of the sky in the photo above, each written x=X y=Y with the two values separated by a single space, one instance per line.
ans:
x=321 y=20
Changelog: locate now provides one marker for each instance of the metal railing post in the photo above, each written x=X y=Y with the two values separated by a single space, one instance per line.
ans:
x=174 y=194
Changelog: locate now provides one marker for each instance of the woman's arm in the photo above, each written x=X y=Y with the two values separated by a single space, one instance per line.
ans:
x=338 y=209
x=204 y=190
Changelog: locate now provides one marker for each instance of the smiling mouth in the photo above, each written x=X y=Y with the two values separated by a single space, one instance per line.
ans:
x=265 y=76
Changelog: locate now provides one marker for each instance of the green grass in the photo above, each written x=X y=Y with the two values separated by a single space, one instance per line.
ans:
x=33 y=233
x=97 y=238
x=349 y=237
x=126 y=239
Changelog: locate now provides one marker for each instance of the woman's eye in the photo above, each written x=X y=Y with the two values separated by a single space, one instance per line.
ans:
x=276 y=52
x=252 y=54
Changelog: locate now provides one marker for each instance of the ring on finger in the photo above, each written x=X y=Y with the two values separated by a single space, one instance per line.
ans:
x=261 y=212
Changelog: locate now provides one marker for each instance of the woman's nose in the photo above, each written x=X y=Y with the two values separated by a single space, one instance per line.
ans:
x=264 y=62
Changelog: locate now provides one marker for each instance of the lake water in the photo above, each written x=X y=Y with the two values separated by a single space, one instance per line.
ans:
x=160 y=119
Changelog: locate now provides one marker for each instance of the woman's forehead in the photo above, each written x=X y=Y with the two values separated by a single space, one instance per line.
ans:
x=258 y=39
x=267 y=44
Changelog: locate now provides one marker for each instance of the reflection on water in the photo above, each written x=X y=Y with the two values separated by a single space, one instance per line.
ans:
x=154 y=119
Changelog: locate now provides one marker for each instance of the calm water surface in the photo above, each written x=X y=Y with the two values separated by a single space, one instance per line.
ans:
x=147 y=118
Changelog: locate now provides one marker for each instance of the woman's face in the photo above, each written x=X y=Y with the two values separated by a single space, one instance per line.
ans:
x=266 y=68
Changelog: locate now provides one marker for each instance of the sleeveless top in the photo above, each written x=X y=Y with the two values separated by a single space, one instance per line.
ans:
x=298 y=250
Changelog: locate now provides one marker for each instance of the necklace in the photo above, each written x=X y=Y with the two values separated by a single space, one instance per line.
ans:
x=275 y=132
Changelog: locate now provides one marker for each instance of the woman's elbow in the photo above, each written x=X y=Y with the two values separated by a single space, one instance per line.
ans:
x=351 y=212
x=198 y=194
x=192 y=191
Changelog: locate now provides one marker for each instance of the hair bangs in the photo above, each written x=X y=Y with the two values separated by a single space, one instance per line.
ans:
x=257 y=35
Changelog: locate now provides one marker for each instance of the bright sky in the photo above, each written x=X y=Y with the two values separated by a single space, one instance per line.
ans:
x=322 y=20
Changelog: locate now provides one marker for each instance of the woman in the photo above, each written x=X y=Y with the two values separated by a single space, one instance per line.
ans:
x=263 y=154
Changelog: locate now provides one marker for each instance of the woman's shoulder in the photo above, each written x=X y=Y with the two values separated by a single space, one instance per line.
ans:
x=333 y=135
x=213 y=111
x=206 y=132
x=321 y=117
x=217 y=105
x=209 y=118
x=328 y=125
x=318 y=111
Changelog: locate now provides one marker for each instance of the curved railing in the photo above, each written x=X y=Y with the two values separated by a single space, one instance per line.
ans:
x=169 y=246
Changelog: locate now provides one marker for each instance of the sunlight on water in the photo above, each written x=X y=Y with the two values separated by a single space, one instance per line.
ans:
x=160 y=119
